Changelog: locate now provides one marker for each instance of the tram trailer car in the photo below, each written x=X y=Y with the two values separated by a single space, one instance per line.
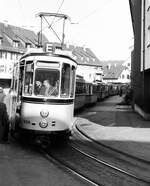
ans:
x=112 y=89
x=85 y=94
x=80 y=93
x=91 y=97
x=43 y=92
x=101 y=90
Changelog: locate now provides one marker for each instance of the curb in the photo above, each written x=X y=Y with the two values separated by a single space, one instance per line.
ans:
x=145 y=115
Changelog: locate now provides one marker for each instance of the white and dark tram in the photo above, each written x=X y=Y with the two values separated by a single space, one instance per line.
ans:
x=43 y=92
x=43 y=88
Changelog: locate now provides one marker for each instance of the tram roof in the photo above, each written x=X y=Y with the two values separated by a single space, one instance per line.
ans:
x=47 y=54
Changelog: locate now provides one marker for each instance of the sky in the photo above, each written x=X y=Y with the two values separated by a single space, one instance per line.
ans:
x=104 y=26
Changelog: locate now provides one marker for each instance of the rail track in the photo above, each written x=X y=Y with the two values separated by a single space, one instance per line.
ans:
x=67 y=168
x=78 y=134
x=122 y=162
x=95 y=164
x=89 y=169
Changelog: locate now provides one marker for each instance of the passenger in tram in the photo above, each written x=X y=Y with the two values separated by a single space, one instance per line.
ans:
x=46 y=88
x=55 y=89
x=38 y=86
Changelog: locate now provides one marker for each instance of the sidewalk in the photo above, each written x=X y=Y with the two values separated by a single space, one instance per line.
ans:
x=119 y=127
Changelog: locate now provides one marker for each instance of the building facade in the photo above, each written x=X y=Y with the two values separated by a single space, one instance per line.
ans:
x=117 y=71
x=89 y=66
x=14 y=42
x=140 y=66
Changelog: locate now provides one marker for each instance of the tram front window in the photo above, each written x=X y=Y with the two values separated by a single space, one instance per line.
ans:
x=46 y=82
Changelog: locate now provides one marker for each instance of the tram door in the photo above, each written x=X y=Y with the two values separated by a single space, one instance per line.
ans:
x=16 y=87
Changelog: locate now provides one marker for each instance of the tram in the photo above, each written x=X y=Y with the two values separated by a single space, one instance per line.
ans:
x=43 y=92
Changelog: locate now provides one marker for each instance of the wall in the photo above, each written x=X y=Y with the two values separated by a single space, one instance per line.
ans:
x=140 y=80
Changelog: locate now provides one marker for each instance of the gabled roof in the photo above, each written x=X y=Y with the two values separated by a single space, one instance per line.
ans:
x=113 y=62
x=113 y=72
x=10 y=33
x=27 y=36
x=6 y=45
x=84 y=56
x=7 y=30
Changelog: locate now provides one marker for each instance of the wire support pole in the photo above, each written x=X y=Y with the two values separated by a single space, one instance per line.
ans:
x=63 y=33
x=52 y=29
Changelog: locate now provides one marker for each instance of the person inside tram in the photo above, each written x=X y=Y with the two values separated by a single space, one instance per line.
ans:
x=38 y=86
x=46 y=88
x=28 y=84
x=55 y=89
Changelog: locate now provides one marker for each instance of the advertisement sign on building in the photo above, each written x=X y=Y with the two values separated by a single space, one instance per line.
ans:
x=6 y=69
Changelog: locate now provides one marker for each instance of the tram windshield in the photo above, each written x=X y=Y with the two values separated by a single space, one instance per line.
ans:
x=46 y=82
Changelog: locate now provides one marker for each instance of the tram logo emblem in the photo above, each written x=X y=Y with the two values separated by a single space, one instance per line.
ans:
x=44 y=113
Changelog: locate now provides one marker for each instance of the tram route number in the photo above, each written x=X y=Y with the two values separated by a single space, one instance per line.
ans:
x=26 y=121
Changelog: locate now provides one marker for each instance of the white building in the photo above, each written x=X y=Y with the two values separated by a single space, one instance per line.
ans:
x=89 y=65
x=14 y=42
x=117 y=71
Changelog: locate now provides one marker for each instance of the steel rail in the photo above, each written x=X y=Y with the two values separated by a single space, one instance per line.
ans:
x=50 y=157
x=104 y=162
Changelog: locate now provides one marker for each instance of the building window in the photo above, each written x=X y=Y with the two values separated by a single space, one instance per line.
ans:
x=128 y=76
x=28 y=45
x=1 y=40
x=122 y=76
x=3 y=55
x=16 y=44
x=11 y=56
x=14 y=56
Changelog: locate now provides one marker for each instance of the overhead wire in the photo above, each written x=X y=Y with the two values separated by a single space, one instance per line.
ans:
x=93 y=12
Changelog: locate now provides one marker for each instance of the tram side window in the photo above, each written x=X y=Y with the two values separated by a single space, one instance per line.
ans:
x=65 y=81
x=87 y=89
x=28 y=82
x=73 y=81
x=91 y=89
x=20 y=80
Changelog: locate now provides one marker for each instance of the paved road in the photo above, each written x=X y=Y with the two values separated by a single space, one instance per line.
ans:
x=117 y=126
x=108 y=113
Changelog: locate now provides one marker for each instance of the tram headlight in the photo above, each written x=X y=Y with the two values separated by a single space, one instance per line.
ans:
x=43 y=124
x=44 y=113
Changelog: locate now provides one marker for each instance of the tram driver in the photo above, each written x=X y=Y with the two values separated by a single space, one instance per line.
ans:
x=47 y=89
